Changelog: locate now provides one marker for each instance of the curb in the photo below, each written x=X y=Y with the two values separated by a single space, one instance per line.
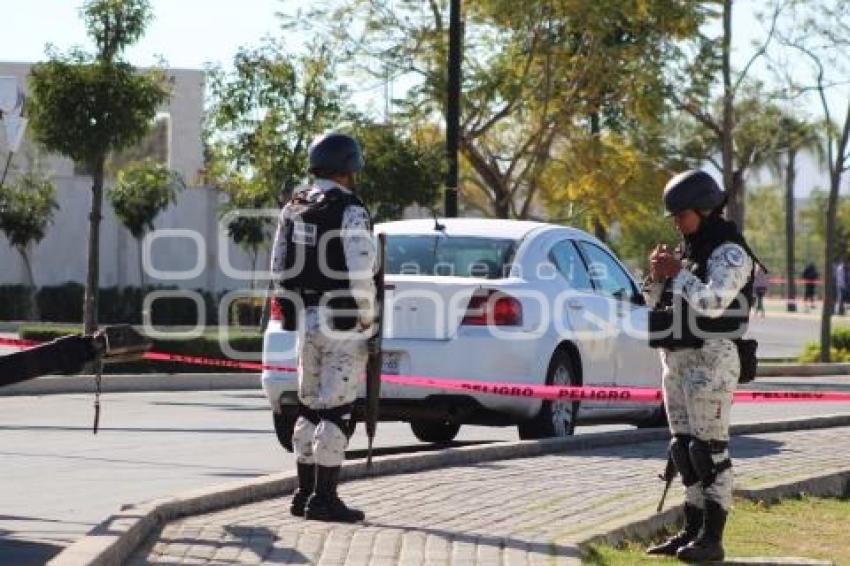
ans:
x=116 y=538
x=802 y=370
x=118 y=383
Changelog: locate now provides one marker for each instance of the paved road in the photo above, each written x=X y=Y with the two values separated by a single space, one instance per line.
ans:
x=59 y=479
x=782 y=335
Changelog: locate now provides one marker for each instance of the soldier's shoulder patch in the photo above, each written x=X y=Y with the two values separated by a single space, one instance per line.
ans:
x=734 y=256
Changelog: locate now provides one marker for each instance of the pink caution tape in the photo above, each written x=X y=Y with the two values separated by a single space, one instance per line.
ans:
x=549 y=392
x=617 y=394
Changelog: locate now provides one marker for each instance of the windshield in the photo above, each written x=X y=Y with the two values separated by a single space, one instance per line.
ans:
x=446 y=256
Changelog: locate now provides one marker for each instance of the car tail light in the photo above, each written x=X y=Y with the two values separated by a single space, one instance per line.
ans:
x=274 y=311
x=493 y=308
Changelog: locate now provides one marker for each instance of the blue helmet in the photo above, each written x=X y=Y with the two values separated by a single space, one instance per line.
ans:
x=694 y=190
x=332 y=154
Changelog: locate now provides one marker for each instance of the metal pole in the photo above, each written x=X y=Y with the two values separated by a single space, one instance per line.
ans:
x=453 y=108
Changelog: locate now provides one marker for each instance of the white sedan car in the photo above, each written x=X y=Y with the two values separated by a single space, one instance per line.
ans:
x=486 y=300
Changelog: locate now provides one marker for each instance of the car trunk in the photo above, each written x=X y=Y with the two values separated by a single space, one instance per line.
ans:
x=423 y=307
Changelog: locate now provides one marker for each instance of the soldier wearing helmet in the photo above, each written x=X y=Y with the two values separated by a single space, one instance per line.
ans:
x=323 y=260
x=701 y=296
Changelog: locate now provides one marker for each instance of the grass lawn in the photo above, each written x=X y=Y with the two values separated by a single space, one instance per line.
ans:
x=807 y=528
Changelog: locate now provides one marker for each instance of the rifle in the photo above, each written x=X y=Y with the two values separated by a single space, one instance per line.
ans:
x=668 y=476
x=375 y=365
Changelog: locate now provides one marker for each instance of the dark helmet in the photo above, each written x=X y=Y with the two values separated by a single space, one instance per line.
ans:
x=332 y=154
x=694 y=190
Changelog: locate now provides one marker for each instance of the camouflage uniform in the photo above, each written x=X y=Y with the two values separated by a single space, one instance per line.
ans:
x=699 y=382
x=330 y=365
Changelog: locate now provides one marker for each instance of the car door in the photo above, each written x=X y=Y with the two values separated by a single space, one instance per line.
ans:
x=585 y=316
x=636 y=364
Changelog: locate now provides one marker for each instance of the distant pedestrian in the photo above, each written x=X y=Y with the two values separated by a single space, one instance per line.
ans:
x=760 y=287
x=810 y=279
x=840 y=288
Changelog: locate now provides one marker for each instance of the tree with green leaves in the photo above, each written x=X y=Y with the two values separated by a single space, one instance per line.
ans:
x=796 y=136
x=533 y=72
x=817 y=34
x=610 y=180
x=262 y=116
x=398 y=172
x=758 y=138
x=142 y=190
x=85 y=106
x=693 y=87
x=26 y=210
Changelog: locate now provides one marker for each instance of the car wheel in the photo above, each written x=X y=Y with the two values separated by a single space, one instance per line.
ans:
x=658 y=419
x=556 y=418
x=284 y=425
x=437 y=432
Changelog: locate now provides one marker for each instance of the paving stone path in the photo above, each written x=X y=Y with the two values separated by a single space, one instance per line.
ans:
x=523 y=511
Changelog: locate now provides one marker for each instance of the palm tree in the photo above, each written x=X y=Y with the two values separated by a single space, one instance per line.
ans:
x=796 y=136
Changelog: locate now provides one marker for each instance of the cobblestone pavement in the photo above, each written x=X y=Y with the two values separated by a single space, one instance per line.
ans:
x=511 y=512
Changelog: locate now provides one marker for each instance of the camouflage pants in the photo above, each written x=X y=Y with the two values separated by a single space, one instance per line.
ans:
x=698 y=389
x=329 y=372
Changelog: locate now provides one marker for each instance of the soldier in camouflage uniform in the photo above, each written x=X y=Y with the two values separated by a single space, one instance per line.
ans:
x=709 y=288
x=324 y=260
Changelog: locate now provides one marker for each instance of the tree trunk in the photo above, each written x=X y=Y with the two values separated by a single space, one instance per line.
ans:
x=253 y=253
x=829 y=271
x=595 y=129
x=836 y=168
x=32 y=311
x=790 y=287
x=734 y=208
x=140 y=241
x=93 y=273
x=599 y=231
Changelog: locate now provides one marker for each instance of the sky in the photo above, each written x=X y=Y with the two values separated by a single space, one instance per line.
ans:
x=193 y=33
x=187 y=33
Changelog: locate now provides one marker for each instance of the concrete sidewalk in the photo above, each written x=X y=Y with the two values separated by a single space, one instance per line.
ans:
x=530 y=510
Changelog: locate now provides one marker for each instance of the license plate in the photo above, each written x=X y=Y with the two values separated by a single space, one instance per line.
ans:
x=391 y=363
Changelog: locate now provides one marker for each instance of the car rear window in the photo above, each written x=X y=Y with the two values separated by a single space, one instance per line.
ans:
x=441 y=255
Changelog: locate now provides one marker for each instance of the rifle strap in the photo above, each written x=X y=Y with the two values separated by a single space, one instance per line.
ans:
x=98 y=379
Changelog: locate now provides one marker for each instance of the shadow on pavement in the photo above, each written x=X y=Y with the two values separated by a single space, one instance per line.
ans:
x=259 y=540
x=221 y=406
x=139 y=429
x=552 y=550
x=25 y=552
x=741 y=447
x=745 y=447
x=412 y=449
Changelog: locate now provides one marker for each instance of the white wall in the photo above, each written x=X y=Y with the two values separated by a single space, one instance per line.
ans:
x=62 y=255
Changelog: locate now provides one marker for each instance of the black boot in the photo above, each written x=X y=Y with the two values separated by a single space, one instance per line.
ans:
x=306 y=485
x=693 y=524
x=707 y=547
x=325 y=504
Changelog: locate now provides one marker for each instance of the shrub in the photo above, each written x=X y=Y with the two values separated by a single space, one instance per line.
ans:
x=841 y=338
x=14 y=302
x=117 y=305
x=811 y=354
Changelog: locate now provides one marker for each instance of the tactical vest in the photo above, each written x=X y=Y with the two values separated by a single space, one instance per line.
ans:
x=673 y=323
x=315 y=258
